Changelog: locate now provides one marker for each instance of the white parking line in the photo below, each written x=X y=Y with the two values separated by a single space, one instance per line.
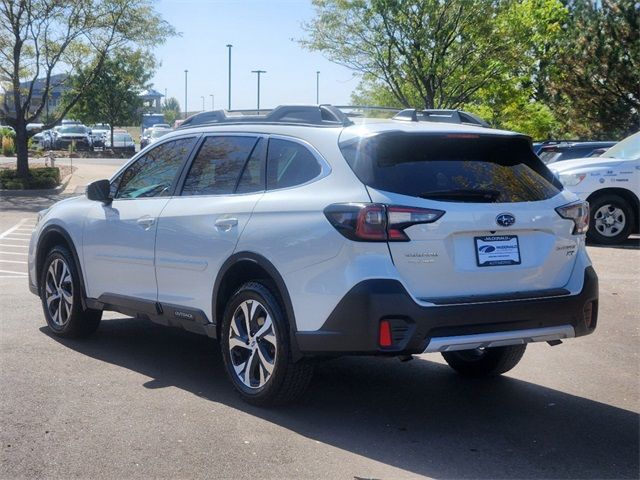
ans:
x=12 y=261
x=14 y=228
x=13 y=253
x=22 y=274
x=13 y=246
x=17 y=239
x=12 y=276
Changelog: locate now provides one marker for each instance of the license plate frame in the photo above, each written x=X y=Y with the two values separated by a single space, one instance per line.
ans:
x=503 y=250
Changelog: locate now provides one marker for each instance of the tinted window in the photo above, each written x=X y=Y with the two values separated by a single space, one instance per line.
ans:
x=80 y=130
x=465 y=168
x=218 y=165
x=252 y=179
x=289 y=164
x=153 y=174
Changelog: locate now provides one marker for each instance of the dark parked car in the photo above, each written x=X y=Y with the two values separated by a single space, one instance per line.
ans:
x=551 y=152
x=67 y=134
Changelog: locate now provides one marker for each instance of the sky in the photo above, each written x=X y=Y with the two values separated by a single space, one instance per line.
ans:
x=264 y=36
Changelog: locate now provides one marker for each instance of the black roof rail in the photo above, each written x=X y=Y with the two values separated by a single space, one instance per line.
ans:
x=319 y=115
x=440 y=115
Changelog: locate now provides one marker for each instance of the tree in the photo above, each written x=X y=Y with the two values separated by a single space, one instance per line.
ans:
x=39 y=38
x=431 y=53
x=171 y=110
x=113 y=95
x=598 y=88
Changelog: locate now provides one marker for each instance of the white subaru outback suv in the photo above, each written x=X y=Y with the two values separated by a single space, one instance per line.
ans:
x=299 y=235
x=611 y=185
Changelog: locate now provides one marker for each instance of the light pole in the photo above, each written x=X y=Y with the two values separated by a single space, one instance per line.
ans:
x=213 y=101
x=259 y=72
x=202 y=97
x=318 y=87
x=165 y=97
x=229 y=46
x=185 y=93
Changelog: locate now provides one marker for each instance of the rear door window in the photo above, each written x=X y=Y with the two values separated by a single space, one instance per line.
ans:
x=455 y=167
x=218 y=165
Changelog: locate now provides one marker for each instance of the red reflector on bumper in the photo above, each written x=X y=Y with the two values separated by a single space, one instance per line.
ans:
x=384 y=336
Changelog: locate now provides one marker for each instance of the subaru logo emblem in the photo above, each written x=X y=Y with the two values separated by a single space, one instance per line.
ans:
x=505 y=219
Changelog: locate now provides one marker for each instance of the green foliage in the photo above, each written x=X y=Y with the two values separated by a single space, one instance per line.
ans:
x=113 y=94
x=598 y=90
x=39 y=178
x=171 y=110
x=547 y=68
x=41 y=37
x=428 y=53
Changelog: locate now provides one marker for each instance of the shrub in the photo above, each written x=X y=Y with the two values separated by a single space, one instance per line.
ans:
x=8 y=147
x=39 y=178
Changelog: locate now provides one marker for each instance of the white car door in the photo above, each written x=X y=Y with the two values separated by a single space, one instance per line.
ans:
x=119 y=238
x=199 y=229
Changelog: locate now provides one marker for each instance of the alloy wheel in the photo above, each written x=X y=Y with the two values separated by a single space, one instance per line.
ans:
x=252 y=344
x=59 y=292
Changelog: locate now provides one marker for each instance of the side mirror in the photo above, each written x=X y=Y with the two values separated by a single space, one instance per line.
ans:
x=100 y=191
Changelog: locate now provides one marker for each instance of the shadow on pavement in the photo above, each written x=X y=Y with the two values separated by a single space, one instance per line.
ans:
x=631 y=243
x=29 y=202
x=417 y=416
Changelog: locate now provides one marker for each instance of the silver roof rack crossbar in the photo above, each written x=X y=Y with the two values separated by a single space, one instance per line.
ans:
x=327 y=115
x=440 y=115
x=321 y=115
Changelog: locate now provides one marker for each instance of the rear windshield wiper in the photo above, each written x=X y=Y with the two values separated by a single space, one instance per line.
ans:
x=462 y=195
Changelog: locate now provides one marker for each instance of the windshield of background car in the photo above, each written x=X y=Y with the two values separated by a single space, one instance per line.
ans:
x=451 y=167
x=159 y=133
x=121 y=137
x=627 y=149
x=73 y=129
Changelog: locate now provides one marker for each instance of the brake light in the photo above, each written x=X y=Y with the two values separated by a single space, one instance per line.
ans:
x=579 y=213
x=376 y=222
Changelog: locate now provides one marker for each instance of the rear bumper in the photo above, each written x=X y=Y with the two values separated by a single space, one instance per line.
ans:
x=353 y=326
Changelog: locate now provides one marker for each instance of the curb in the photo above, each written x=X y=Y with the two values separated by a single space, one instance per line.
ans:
x=37 y=193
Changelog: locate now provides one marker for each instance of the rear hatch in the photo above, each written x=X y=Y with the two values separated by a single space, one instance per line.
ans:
x=500 y=233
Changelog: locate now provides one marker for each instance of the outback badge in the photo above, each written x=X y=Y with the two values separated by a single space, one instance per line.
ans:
x=505 y=219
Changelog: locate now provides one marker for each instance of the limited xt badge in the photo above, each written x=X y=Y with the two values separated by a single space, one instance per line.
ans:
x=505 y=219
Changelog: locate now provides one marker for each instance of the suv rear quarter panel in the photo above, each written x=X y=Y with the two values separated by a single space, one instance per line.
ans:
x=288 y=227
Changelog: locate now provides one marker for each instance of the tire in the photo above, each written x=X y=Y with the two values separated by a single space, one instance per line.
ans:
x=257 y=358
x=61 y=295
x=488 y=362
x=611 y=220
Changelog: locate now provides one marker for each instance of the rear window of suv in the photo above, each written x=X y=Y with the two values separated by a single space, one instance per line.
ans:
x=451 y=167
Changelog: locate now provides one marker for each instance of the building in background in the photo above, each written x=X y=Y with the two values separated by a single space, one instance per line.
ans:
x=152 y=101
x=57 y=88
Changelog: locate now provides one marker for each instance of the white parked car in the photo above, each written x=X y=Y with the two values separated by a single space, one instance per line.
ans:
x=611 y=185
x=298 y=235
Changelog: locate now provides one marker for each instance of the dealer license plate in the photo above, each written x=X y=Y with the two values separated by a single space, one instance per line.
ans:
x=495 y=250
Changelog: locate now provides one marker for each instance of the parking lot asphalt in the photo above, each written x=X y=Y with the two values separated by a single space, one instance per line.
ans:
x=138 y=400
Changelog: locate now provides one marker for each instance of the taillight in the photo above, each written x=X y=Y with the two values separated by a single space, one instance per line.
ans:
x=579 y=213
x=376 y=222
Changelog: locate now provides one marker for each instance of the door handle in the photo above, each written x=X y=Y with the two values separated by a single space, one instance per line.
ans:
x=146 y=222
x=226 y=224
